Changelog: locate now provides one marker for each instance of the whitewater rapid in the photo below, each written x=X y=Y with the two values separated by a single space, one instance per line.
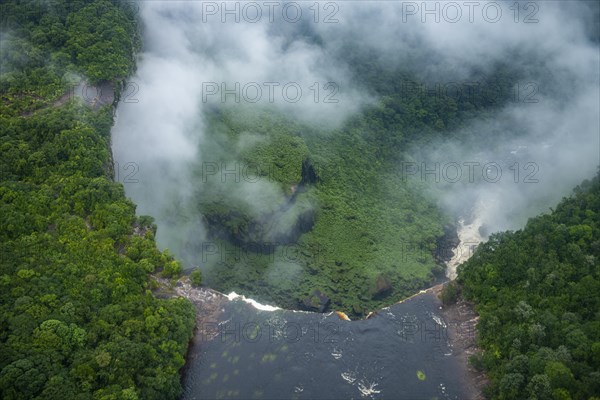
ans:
x=263 y=307
x=469 y=236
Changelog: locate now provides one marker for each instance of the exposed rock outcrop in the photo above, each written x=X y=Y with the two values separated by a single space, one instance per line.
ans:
x=382 y=287
x=446 y=244
x=317 y=301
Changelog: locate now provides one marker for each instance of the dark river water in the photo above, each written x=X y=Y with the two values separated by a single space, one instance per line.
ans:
x=403 y=352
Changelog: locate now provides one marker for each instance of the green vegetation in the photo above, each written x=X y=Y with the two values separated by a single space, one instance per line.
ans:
x=196 y=277
x=333 y=220
x=77 y=318
x=359 y=233
x=537 y=291
x=450 y=293
x=339 y=234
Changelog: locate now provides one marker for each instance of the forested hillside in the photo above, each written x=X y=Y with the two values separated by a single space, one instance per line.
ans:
x=537 y=291
x=77 y=318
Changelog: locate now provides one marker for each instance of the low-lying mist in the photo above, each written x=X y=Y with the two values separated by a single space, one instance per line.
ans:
x=542 y=140
x=543 y=136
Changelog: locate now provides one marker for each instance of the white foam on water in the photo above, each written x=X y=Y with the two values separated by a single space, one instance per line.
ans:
x=368 y=389
x=438 y=320
x=263 y=307
x=349 y=377
x=337 y=354
x=443 y=389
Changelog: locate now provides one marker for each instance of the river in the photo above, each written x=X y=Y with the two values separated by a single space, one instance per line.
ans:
x=411 y=350
x=415 y=349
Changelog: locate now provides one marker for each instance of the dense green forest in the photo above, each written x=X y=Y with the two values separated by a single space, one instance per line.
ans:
x=357 y=231
x=77 y=316
x=537 y=291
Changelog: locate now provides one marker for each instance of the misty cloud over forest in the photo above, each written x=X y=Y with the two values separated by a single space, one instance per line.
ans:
x=186 y=49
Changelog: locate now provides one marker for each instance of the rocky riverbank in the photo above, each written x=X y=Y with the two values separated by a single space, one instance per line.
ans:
x=461 y=320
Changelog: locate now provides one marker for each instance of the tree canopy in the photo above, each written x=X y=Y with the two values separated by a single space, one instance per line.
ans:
x=77 y=316
x=537 y=291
